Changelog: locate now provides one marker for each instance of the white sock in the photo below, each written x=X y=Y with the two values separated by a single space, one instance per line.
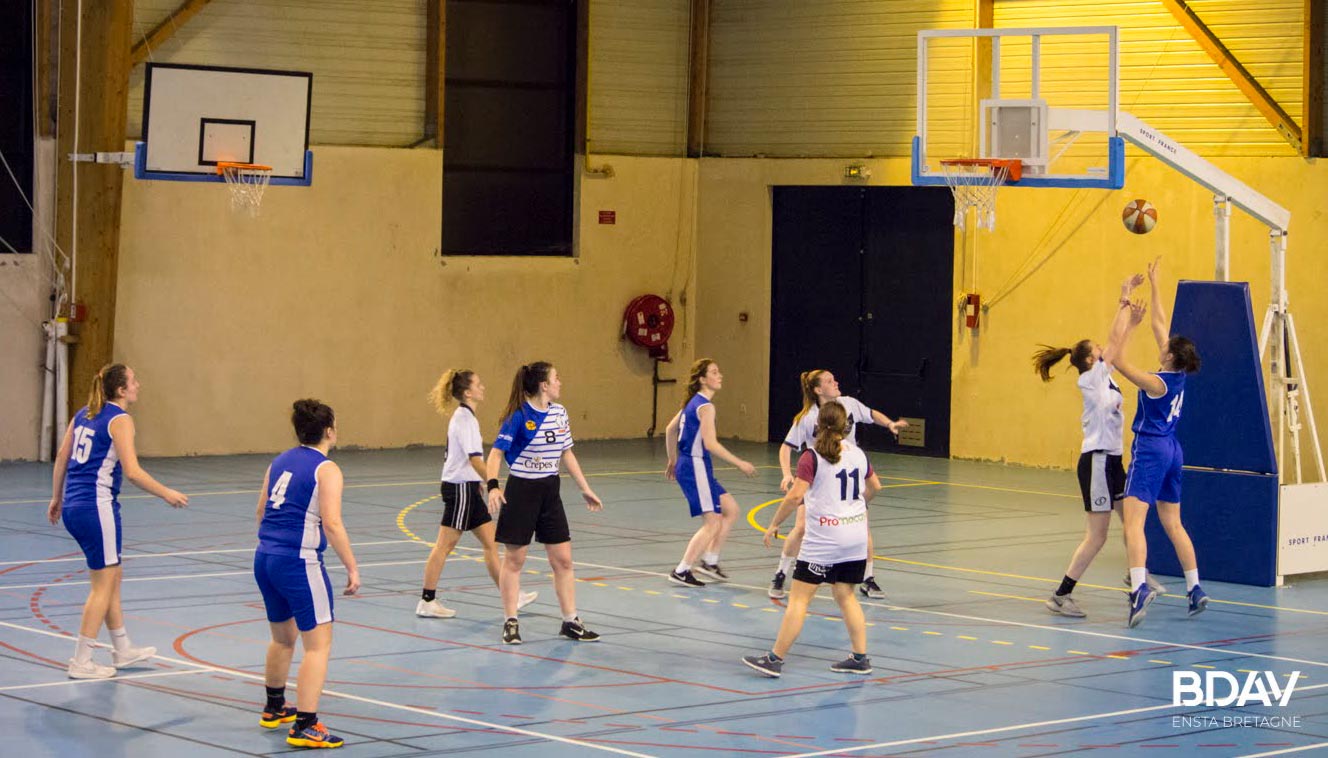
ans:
x=1191 y=579
x=120 y=639
x=870 y=573
x=569 y=619
x=786 y=563
x=83 y=650
x=683 y=567
x=711 y=558
x=1138 y=576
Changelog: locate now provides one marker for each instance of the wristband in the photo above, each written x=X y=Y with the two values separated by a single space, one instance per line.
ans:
x=493 y=485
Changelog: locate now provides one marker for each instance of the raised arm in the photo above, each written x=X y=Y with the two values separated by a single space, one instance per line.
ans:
x=1150 y=383
x=1161 y=323
x=122 y=436
x=706 y=414
x=330 y=484
x=1116 y=334
x=881 y=419
x=58 y=475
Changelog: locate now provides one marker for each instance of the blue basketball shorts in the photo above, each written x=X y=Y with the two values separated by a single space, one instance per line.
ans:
x=96 y=527
x=293 y=587
x=1155 y=469
x=696 y=477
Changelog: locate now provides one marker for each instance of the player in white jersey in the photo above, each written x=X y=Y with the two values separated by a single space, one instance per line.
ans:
x=834 y=483
x=690 y=440
x=1101 y=473
x=299 y=515
x=819 y=387
x=534 y=438
x=458 y=394
x=97 y=450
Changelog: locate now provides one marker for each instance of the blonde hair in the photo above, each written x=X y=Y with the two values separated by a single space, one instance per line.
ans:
x=112 y=378
x=831 y=429
x=808 y=382
x=694 y=376
x=450 y=390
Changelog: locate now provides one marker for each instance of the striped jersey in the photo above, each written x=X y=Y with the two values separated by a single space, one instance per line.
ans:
x=836 y=518
x=1102 y=420
x=802 y=434
x=292 y=525
x=94 y=475
x=690 y=441
x=463 y=442
x=1157 y=416
x=533 y=441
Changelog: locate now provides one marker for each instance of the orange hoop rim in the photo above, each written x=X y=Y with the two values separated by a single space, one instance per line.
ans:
x=223 y=165
x=1013 y=166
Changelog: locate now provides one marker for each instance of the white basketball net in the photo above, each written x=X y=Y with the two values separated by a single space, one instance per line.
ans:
x=974 y=186
x=247 y=184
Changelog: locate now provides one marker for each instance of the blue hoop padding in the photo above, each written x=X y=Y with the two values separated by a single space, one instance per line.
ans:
x=1115 y=178
x=141 y=171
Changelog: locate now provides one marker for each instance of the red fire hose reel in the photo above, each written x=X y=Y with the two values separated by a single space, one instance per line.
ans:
x=648 y=322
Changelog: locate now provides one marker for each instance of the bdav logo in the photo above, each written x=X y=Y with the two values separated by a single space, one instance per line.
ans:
x=1220 y=688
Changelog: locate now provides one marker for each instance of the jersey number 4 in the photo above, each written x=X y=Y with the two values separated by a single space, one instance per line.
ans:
x=278 y=495
x=843 y=477
x=1176 y=403
x=83 y=443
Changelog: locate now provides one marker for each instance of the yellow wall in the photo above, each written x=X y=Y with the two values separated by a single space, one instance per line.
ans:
x=1004 y=411
x=336 y=291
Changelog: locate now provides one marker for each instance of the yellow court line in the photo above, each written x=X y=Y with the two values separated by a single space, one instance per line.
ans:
x=751 y=520
x=1012 y=597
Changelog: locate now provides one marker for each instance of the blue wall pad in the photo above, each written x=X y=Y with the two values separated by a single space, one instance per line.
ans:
x=1224 y=423
x=1232 y=520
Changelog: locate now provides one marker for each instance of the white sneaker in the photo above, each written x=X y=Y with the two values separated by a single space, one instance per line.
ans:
x=125 y=658
x=89 y=670
x=432 y=609
x=525 y=598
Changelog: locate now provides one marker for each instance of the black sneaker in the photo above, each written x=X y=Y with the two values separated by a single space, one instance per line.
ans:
x=869 y=588
x=685 y=578
x=511 y=632
x=575 y=630
x=712 y=571
x=851 y=665
x=765 y=664
x=776 y=590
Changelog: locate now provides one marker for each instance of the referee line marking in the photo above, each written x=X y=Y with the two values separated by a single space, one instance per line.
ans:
x=202 y=667
x=1019 y=727
x=751 y=520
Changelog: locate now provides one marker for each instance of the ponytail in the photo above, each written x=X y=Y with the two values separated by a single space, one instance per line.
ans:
x=450 y=390
x=526 y=384
x=808 y=382
x=106 y=386
x=831 y=429
x=1049 y=356
x=694 y=377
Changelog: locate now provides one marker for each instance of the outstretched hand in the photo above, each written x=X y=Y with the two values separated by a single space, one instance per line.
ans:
x=1154 y=269
x=1127 y=287
x=1137 y=311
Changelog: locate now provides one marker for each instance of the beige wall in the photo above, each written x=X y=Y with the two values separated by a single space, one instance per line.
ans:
x=23 y=308
x=337 y=291
x=1073 y=251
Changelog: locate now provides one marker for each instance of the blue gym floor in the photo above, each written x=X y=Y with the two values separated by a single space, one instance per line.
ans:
x=967 y=660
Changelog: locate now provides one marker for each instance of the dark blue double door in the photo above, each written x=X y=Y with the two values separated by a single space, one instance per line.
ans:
x=862 y=285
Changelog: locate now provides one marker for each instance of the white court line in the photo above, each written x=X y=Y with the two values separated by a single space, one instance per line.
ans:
x=203 y=667
x=1300 y=749
x=130 y=677
x=1012 y=728
x=242 y=572
x=136 y=556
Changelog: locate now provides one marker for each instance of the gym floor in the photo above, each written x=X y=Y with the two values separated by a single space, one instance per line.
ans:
x=967 y=660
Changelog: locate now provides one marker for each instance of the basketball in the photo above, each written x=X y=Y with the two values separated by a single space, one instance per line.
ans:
x=1139 y=216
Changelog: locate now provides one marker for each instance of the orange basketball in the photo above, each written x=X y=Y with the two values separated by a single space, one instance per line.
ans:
x=1139 y=216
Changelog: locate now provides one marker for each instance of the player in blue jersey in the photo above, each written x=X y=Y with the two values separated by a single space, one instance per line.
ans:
x=299 y=515
x=97 y=452
x=535 y=437
x=457 y=394
x=1156 y=459
x=690 y=440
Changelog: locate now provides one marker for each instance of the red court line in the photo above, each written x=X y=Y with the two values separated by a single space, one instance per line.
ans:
x=944 y=673
x=21 y=651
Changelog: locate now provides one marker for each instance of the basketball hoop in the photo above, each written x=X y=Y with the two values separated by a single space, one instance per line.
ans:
x=247 y=182
x=974 y=182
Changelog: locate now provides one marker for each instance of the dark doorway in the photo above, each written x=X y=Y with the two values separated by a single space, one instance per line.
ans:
x=862 y=283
